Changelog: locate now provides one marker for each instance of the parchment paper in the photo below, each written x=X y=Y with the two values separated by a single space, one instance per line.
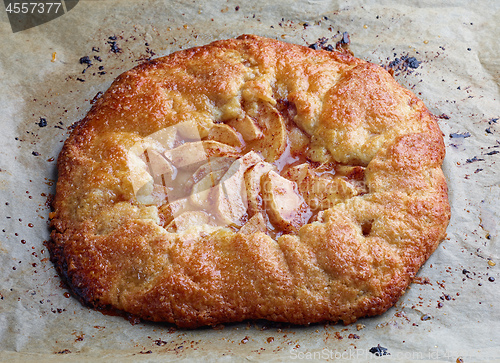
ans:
x=451 y=311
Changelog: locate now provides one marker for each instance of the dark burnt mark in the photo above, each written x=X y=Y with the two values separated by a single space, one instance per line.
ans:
x=96 y=97
x=346 y=40
x=457 y=135
x=314 y=46
x=445 y=297
x=404 y=64
x=466 y=273
x=86 y=60
x=474 y=159
x=319 y=44
x=425 y=317
x=114 y=45
x=150 y=54
x=493 y=152
x=413 y=62
x=42 y=122
x=342 y=45
x=379 y=351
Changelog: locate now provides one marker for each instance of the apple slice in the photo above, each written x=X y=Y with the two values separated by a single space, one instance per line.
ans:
x=226 y=135
x=285 y=207
x=320 y=192
x=247 y=128
x=161 y=169
x=213 y=164
x=273 y=144
x=252 y=182
x=230 y=195
x=187 y=220
x=140 y=178
x=254 y=225
x=192 y=154
x=200 y=193
x=172 y=209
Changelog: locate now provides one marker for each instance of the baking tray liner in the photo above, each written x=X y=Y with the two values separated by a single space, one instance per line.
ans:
x=444 y=51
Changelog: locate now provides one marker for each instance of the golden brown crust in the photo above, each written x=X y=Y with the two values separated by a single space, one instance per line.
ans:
x=356 y=259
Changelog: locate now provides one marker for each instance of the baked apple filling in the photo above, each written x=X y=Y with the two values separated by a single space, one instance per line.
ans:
x=251 y=174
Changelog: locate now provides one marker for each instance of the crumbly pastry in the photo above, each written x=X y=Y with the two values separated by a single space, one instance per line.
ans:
x=250 y=179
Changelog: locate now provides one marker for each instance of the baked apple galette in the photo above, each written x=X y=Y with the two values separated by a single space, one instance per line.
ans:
x=250 y=179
